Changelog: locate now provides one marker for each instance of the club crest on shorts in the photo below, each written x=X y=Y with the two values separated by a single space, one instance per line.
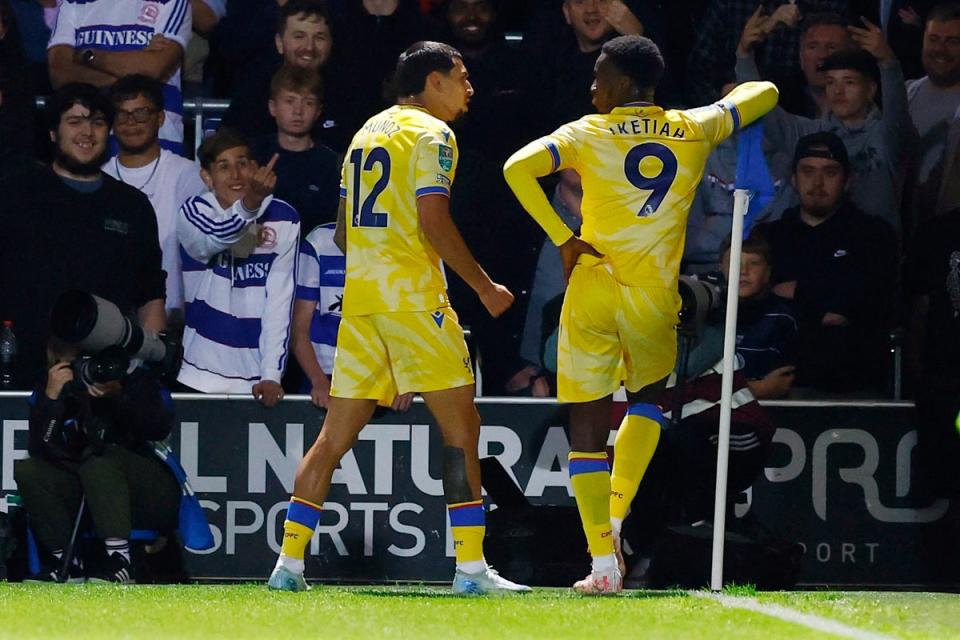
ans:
x=438 y=318
x=445 y=157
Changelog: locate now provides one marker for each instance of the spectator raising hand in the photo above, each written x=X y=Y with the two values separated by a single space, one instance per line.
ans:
x=754 y=31
x=786 y=14
x=871 y=39
x=759 y=25
x=624 y=21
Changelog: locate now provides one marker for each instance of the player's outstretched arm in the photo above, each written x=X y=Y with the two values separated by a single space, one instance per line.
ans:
x=521 y=172
x=439 y=228
x=752 y=100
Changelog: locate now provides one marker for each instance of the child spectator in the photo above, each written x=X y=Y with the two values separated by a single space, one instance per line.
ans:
x=239 y=252
x=308 y=173
x=766 y=328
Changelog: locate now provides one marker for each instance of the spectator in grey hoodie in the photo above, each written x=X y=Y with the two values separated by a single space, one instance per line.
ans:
x=875 y=139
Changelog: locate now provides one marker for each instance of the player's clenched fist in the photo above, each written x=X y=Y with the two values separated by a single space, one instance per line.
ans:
x=262 y=183
x=496 y=299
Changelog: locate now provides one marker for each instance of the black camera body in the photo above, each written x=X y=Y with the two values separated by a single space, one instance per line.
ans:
x=108 y=364
x=702 y=300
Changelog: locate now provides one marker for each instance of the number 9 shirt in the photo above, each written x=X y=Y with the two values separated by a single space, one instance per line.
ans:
x=640 y=167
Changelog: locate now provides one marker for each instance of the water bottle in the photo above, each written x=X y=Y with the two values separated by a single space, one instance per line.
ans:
x=8 y=353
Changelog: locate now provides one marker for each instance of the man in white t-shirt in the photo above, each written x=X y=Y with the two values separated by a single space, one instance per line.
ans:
x=167 y=179
x=99 y=41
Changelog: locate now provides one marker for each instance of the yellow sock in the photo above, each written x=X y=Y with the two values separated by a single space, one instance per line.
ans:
x=302 y=519
x=590 y=477
x=468 y=525
x=636 y=441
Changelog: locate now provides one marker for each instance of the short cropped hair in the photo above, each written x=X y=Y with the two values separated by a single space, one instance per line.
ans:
x=297 y=80
x=756 y=243
x=74 y=93
x=854 y=60
x=225 y=138
x=136 y=84
x=944 y=12
x=419 y=61
x=822 y=19
x=638 y=58
x=307 y=8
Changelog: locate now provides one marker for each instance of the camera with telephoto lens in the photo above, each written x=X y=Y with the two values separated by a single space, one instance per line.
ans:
x=701 y=301
x=109 y=340
x=109 y=364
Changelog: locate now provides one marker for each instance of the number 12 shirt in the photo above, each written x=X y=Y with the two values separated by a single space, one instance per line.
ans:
x=398 y=156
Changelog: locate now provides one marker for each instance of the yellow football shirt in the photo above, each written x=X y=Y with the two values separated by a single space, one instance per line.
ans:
x=399 y=155
x=640 y=166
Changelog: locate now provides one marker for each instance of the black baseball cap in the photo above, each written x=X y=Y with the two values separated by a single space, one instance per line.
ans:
x=823 y=144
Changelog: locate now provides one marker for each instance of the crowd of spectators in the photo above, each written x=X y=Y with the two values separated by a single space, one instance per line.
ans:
x=871 y=86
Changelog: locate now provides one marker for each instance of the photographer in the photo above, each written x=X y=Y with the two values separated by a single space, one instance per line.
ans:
x=90 y=441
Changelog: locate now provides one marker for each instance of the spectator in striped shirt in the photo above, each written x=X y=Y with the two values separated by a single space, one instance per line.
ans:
x=238 y=246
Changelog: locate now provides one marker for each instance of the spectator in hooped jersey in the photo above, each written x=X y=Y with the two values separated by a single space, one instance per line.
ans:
x=239 y=253
x=317 y=310
x=99 y=41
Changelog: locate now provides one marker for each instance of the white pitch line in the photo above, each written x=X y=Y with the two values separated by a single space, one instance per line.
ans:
x=817 y=623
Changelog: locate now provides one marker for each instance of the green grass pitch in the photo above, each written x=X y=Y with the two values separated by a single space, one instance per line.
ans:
x=370 y=613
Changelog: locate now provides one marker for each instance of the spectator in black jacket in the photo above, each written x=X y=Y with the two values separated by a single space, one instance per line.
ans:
x=838 y=265
x=71 y=226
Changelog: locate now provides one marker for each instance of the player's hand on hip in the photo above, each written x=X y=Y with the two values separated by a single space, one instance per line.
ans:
x=570 y=252
x=268 y=392
x=497 y=299
x=262 y=183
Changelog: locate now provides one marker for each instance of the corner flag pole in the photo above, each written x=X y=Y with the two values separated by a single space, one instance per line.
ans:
x=741 y=200
x=754 y=189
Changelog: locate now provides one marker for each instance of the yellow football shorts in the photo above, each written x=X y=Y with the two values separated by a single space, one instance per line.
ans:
x=382 y=355
x=612 y=334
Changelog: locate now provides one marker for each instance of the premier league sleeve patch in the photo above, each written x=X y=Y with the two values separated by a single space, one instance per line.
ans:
x=445 y=158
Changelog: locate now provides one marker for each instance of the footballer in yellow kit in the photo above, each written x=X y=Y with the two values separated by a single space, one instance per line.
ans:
x=398 y=333
x=640 y=166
